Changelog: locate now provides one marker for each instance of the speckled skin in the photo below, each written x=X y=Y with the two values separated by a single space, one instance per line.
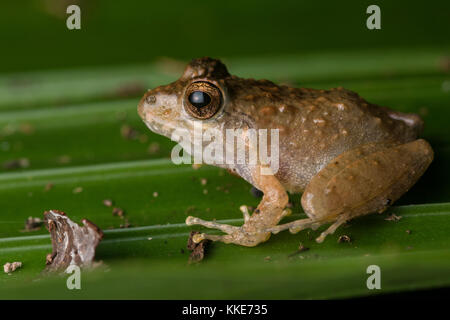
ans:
x=315 y=128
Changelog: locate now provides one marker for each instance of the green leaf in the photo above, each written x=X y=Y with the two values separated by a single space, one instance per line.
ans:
x=157 y=268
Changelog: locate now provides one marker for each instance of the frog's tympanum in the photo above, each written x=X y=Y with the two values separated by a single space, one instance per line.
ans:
x=347 y=156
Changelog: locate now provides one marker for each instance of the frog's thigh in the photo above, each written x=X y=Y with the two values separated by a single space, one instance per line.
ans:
x=361 y=181
x=365 y=180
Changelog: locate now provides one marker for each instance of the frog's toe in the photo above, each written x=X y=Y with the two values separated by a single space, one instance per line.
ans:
x=245 y=213
x=341 y=220
x=211 y=224
x=295 y=226
x=240 y=238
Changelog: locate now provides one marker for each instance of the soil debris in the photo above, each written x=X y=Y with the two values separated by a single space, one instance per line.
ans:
x=21 y=163
x=128 y=132
x=71 y=243
x=393 y=217
x=33 y=224
x=197 y=249
x=107 y=203
x=301 y=248
x=77 y=190
x=125 y=225
x=118 y=212
x=344 y=239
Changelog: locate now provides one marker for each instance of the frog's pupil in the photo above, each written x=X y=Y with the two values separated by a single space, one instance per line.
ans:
x=199 y=99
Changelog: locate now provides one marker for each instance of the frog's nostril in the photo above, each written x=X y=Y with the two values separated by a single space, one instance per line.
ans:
x=150 y=99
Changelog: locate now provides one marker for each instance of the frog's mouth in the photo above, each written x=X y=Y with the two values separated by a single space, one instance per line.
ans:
x=162 y=128
x=156 y=127
x=152 y=127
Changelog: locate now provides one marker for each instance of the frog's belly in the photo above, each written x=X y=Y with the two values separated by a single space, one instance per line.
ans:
x=295 y=173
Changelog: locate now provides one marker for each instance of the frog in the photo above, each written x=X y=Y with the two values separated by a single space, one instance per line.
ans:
x=347 y=157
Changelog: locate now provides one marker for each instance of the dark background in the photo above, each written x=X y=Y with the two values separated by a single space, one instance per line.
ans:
x=34 y=34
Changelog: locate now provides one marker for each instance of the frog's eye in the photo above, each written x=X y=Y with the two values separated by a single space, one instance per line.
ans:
x=202 y=100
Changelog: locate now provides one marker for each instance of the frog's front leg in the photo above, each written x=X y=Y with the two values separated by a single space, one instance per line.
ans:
x=361 y=181
x=254 y=230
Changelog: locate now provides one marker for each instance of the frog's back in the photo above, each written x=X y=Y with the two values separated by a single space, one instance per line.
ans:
x=344 y=113
x=318 y=125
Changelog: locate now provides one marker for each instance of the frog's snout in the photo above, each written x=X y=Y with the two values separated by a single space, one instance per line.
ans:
x=147 y=100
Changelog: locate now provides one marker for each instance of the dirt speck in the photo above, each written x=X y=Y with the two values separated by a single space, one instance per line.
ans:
x=344 y=239
x=197 y=249
x=21 y=163
x=33 y=224
x=77 y=190
x=301 y=248
x=11 y=267
x=118 y=212
x=125 y=225
x=108 y=203
x=393 y=217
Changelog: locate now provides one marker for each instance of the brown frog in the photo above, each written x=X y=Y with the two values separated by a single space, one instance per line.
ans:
x=347 y=156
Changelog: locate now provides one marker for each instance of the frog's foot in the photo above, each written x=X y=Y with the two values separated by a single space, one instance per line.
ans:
x=331 y=229
x=295 y=226
x=302 y=224
x=237 y=235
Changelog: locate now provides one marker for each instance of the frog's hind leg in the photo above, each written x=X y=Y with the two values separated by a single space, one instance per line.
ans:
x=361 y=181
